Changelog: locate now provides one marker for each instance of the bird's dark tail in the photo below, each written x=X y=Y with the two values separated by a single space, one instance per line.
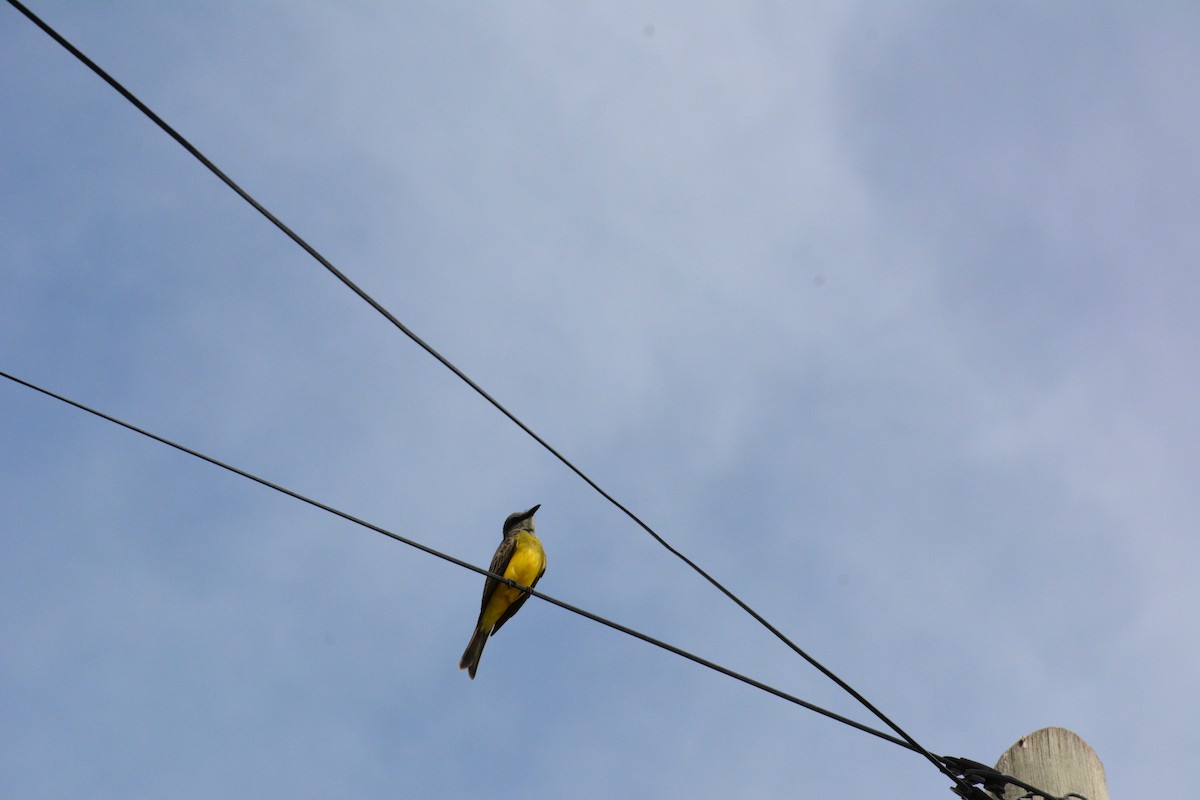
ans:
x=474 y=651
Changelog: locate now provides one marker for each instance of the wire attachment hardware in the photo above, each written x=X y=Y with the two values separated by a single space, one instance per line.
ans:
x=994 y=781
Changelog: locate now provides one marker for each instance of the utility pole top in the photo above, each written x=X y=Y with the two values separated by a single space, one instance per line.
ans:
x=1056 y=760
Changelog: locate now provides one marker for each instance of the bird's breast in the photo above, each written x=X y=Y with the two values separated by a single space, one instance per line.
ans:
x=528 y=560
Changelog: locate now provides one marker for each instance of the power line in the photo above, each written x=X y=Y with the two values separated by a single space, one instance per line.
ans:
x=183 y=142
x=965 y=771
x=969 y=771
x=459 y=562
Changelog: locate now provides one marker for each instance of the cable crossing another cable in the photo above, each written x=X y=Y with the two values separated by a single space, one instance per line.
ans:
x=908 y=740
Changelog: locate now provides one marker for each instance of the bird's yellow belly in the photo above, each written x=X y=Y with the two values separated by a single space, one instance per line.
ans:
x=527 y=562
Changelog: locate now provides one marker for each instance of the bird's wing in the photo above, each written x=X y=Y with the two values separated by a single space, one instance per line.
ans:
x=504 y=554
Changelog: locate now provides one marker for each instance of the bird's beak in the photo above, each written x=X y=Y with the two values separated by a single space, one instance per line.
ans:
x=529 y=513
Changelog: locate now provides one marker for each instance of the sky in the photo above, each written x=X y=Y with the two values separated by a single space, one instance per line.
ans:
x=882 y=313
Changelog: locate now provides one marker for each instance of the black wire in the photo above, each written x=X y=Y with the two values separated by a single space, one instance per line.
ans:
x=459 y=562
x=995 y=781
x=913 y=745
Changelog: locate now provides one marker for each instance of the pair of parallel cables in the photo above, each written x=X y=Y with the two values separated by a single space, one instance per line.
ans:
x=966 y=774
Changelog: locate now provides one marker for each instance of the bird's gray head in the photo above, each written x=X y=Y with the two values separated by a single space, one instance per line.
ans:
x=520 y=521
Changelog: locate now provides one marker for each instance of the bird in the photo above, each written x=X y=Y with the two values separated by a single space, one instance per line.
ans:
x=519 y=558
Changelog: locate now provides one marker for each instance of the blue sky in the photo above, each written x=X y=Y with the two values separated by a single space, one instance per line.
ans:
x=885 y=314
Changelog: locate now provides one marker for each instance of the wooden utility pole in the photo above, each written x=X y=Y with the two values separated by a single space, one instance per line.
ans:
x=1057 y=761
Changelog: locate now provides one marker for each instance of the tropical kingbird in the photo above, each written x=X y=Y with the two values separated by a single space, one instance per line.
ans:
x=519 y=558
